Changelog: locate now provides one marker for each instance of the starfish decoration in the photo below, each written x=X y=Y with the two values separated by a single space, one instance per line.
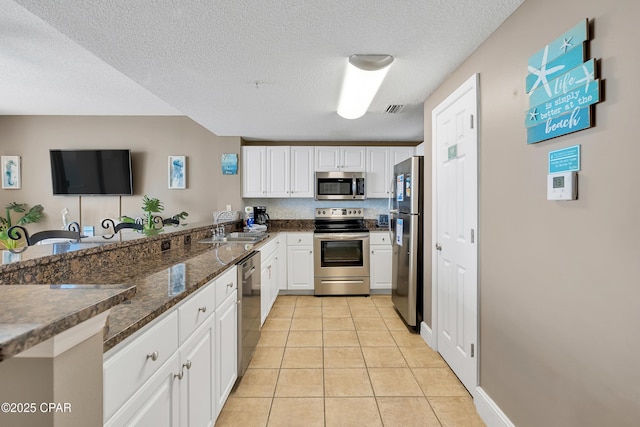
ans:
x=588 y=77
x=542 y=73
x=566 y=44
x=534 y=114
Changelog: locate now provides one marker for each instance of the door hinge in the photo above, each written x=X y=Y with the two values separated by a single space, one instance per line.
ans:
x=471 y=121
x=473 y=352
x=473 y=235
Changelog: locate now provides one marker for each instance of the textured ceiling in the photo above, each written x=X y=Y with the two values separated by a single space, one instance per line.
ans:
x=199 y=58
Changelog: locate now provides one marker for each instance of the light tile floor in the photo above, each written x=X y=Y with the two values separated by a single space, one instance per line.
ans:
x=345 y=361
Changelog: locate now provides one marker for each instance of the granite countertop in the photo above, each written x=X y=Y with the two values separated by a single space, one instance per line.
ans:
x=30 y=315
x=166 y=280
x=136 y=295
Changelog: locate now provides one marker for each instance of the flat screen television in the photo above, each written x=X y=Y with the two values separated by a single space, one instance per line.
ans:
x=91 y=172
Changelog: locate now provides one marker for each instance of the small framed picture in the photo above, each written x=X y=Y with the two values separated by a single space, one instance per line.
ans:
x=11 y=172
x=177 y=172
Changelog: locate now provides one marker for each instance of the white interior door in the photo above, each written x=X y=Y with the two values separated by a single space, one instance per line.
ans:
x=455 y=144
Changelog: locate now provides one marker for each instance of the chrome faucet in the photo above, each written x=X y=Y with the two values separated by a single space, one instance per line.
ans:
x=219 y=230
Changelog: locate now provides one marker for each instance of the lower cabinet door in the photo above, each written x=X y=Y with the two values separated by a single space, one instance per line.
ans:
x=197 y=386
x=156 y=403
x=381 y=260
x=300 y=268
x=227 y=348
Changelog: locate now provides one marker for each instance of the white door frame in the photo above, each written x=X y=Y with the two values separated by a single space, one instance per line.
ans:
x=430 y=335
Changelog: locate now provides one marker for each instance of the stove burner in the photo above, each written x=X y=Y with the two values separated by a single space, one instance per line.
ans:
x=340 y=220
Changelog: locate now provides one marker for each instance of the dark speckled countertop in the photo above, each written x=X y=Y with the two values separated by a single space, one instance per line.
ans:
x=58 y=308
x=167 y=280
x=32 y=314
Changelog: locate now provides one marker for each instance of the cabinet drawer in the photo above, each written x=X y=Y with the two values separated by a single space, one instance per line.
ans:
x=299 y=239
x=226 y=284
x=269 y=247
x=379 y=238
x=126 y=371
x=196 y=310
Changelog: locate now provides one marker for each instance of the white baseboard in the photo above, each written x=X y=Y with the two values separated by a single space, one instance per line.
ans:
x=490 y=413
x=427 y=335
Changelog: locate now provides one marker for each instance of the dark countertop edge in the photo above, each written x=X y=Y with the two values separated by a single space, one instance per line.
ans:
x=40 y=334
x=113 y=245
x=125 y=333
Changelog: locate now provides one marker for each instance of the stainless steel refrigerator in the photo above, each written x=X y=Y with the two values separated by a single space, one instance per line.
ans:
x=406 y=229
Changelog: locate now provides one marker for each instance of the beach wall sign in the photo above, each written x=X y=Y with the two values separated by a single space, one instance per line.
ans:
x=562 y=87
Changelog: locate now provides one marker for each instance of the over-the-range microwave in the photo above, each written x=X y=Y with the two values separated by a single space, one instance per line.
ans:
x=340 y=186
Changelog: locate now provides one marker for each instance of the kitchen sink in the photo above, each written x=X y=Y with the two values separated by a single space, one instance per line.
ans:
x=237 y=238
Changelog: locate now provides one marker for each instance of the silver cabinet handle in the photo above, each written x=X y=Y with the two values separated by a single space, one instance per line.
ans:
x=203 y=309
x=299 y=240
x=230 y=285
x=179 y=375
x=153 y=356
x=187 y=365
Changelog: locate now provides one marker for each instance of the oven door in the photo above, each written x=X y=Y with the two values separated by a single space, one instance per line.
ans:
x=341 y=255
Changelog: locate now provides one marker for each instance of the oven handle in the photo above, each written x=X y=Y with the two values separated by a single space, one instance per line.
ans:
x=340 y=236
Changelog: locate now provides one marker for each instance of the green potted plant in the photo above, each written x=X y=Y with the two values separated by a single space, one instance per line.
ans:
x=33 y=215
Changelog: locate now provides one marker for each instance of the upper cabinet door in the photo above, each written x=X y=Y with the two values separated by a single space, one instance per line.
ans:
x=278 y=171
x=353 y=159
x=399 y=154
x=378 y=172
x=327 y=159
x=254 y=172
x=302 y=176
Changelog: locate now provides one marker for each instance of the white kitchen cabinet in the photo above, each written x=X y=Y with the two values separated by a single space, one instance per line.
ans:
x=128 y=369
x=300 y=261
x=269 y=276
x=380 y=163
x=378 y=179
x=150 y=380
x=282 y=262
x=254 y=171
x=226 y=327
x=398 y=154
x=196 y=377
x=154 y=404
x=380 y=261
x=302 y=173
x=340 y=158
x=277 y=171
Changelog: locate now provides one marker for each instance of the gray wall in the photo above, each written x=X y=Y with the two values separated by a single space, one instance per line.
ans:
x=151 y=139
x=559 y=282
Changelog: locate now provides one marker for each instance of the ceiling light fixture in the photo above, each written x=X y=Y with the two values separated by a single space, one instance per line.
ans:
x=362 y=79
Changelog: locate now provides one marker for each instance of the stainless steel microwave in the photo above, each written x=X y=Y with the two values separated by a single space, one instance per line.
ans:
x=340 y=186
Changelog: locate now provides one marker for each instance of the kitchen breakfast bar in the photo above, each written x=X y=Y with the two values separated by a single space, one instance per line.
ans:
x=64 y=307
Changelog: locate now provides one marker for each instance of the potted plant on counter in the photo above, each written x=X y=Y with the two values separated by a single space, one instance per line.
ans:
x=33 y=215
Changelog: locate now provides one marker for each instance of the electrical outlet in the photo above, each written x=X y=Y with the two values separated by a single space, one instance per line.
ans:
x=187 y=239
x=165 y=245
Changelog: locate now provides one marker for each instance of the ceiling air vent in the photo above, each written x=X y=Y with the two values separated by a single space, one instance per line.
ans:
x=394 y=108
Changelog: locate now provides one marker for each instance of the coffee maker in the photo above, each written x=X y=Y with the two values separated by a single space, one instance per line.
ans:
x=260 y=215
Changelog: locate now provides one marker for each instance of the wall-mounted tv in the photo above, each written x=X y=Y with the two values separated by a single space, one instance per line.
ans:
x=91 y=172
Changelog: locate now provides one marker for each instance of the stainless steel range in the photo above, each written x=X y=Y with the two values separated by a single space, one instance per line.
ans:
x=341 y=252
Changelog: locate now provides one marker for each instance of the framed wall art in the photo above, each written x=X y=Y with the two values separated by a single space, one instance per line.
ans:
x=177 y=172
x=11 y=172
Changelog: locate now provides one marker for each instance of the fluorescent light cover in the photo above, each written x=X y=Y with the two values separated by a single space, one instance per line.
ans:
x=362 y=80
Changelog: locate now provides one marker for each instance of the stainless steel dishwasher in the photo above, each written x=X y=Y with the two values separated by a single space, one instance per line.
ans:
x=248 y=309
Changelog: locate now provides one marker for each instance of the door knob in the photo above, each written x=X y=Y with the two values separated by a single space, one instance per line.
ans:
x=438 y=246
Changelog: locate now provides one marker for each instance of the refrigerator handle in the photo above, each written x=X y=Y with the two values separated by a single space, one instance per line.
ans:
x=392 y=210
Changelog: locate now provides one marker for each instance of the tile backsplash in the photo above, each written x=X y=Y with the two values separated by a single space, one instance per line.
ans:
x=304 y=208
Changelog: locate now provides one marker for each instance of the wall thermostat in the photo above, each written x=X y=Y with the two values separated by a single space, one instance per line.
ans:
x=562 y=186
